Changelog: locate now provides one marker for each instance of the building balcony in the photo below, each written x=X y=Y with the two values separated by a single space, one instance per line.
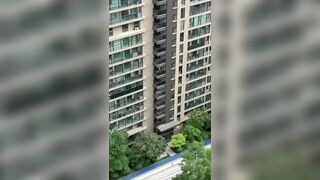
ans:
x=159 y=114
x=159 y=39
x=159 y=26
x=125 y=4
x=127 y=91
x=159 y=84
x=159 y=62
x=159 y=74
x=158 y=105
x=159 y=2
x=123 y=19
x=201 y=44
x=159 y=14
x=159 y=51
x=125 y=113
x=159 y=94
x=113 y=84
x=196 y=76
x=115 y=107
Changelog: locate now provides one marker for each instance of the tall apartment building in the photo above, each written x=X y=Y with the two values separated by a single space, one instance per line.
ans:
x=130 y=66
x=182 y=60
x=159 y=63
x=52 y=90
x=266 y=81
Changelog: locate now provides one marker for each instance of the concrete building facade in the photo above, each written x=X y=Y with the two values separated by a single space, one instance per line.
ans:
x=130 y=66
x=182 y=59
x=167 y=71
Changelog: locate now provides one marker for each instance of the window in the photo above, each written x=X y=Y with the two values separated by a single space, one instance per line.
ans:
x=181 y=37
x=183 y=10
x=136 y=25
x=181 y=48
x=199 y=20
x=125 y=42
x=182 y=25
x=175 y=4
x=181 y=59
x=125 y=28
x=111 y=32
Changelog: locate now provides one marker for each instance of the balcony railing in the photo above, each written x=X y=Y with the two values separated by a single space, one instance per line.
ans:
x=159 y=37
x=124 y=81
x=159 y=61
x=122 y=19
x=159 y=2
x=125 y=112
x=124 y=70
x=159 y=51
x=127 y=91
x=160 y=25
x=159 y=73
x=124 y=4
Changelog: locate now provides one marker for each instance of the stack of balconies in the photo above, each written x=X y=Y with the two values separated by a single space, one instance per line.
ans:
x=159 y=51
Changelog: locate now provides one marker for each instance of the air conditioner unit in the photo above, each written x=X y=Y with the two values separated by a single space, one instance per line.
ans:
x=136 y=28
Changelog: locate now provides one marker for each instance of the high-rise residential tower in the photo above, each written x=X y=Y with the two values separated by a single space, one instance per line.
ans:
x=159 y=63
x=130 y=66
x=266 y=82
x=182 y=60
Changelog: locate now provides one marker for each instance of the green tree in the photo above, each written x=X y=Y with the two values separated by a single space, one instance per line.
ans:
x=196 y=163
x=118 y=159
x=146 y=150
x=178 y=141
x=200 y=120
x=192 y=134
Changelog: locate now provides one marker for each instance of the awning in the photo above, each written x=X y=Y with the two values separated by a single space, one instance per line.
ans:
x=164 y=127
x=136 y=130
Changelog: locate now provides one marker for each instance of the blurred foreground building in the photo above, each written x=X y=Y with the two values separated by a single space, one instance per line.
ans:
x=266 y=81
x=52 y=90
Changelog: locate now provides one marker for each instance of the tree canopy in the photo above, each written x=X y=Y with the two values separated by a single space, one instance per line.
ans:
x=196 y=163
x=147 y=149
x=192 y=134
x=177 y=141
x=200 y=120
x=118 y=155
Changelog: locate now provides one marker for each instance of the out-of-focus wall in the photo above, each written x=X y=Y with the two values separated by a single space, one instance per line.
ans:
x=53 y=91
x=266 y=74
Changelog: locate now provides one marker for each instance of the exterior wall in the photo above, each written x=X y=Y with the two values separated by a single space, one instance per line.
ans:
x=184 y=54
x=52 y=92
x=148 y=61
x=261 y=84
x=144 y=68
x=173 y=88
